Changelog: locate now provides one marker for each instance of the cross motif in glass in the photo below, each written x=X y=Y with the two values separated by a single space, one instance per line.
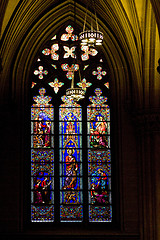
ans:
x=40 y=72
x=70 y=73
x=54 y=48
x=83 y=84
x=56 y=85
x=87 y=52
x=69 y=52
x=66 y=36
x=99 y=73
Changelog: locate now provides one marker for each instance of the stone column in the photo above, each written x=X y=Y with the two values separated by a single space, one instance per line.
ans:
x=158 y=68
x=148 y=147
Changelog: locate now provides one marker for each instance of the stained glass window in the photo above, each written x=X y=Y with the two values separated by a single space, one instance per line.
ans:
x=40 y=72
x=69 y=52
x=56 y=85
x=99 y=73
x=70 y=70
x=42 y=159
x=70 y=140
x=99 y=160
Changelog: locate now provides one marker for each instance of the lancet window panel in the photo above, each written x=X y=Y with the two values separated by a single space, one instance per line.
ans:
x=70 y=142
x=42 y=159
x=99 y=159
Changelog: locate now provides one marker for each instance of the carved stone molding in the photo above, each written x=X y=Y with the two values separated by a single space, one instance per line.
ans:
x=1 y=65
x=147 y=121
x=158 y=68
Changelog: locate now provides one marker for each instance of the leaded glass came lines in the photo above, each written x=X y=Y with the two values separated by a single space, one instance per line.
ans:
x=99 y=159
x=70 y=142
x=42 y=159
x=70 y=155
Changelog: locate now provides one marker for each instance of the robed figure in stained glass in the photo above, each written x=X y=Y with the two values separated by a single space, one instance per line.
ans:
x=99 y=166
x=70 y=160
x=42 y=165
x=71 y=170
x=99 y=194
x=38 y=192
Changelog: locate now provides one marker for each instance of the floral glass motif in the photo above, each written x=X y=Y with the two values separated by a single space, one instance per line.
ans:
x=42 y=159
x=70 y=70
x=70 y=141
x=40 y=72
x=56 y=85
x=69 y=52
x=87 y=52
x=83 y=84
x=99 y=73
x=99 y=159
x=69 y=34
x=54 y=48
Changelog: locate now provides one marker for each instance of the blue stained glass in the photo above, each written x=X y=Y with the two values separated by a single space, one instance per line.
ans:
x=71 y=160
x=41 y=178
x=70 y=141
x=63 y=169
x=99 y=159
x=37 y=169
x=77 y=153
x=71 y=213
x=92 y=180
x=42 y=156
x=71 y=197
x=100 y=213
x=70 y=182
x=42 y=159
x=42 y=213
x=70 y=127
